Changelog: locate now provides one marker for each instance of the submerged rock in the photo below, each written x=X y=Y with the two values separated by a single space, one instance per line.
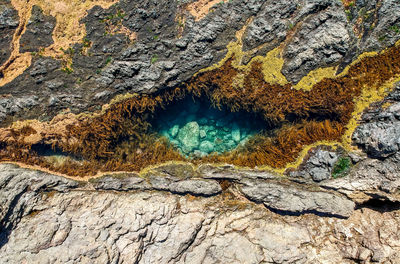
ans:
x=197 y=129
x=206 y=146
x=174 y=131
x=189 y=136
x=203 y=133
x=235 y=132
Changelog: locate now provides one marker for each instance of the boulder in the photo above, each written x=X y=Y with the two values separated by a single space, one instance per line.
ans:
x=189 y=137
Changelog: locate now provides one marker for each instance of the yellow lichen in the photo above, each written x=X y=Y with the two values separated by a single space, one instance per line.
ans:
x=272 y=64
x=315 y=76
x=386 y=105
x=368 y=96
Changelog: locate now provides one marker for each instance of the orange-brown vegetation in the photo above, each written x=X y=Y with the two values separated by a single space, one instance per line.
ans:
x=348 y=3
x=121 y=137
x=200 y=8
x=282 y=148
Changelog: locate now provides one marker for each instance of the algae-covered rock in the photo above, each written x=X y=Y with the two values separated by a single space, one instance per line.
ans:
x=203 y=133
x=206 y=146
x=235 y=132
x=174 y=131
x=189 y=136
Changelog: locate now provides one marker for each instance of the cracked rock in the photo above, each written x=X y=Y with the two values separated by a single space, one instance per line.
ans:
x=295 y=199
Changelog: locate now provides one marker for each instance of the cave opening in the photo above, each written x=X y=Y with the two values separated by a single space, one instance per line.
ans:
x=196 y=128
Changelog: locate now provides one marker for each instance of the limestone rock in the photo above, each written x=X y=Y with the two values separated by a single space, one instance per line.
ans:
x=8 y=23
x=72 y=225
x=322 y=40
x=318 y=166
x=290 y=198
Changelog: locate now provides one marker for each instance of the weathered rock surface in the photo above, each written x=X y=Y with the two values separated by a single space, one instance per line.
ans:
x=57 y=221
x=318 y=167
x=317 y=33
x=179 y=213
x=20 y=189
x=323 y=39
x=171 y=184
x=370 y=179
x=295 y=199
x=38 y=32
x=8 y=23
x=10 y=105
x=159 y=58
x=379 y=135
x=379 y=33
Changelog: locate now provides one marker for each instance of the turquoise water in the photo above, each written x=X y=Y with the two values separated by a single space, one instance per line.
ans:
x=196 y=129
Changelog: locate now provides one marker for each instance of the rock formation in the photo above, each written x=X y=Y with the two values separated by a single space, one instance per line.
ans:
x=296 y=161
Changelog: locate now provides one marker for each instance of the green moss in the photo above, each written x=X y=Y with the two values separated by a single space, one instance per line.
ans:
x=341 y=168
x=348 y=14
x=86 y=42
x=395 y=29
x=67 y=70
x=154 y=59
x=108 y=60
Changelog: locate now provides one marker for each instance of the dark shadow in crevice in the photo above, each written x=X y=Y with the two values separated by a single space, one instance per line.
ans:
x=46 y=150
x=314 y=212
x=5 y=225
x=380 y=205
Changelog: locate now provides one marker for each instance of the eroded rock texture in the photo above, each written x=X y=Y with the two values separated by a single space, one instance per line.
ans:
x=8 y=23
x=338 y=206
x=48 y=219
x=167 y=52
x=38 y=32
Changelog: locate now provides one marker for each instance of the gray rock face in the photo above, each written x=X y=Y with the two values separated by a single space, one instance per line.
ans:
x=73 y=224
x=20 y=189
x=318 y=167
x=296 y=200
x=8 y=23
x=159 y=58
x=380 y=135
x=322 y=40
x=38 y=32
x=380 y=32
x=165 y=54
x=10 y=105
x=180 y=181
x=370 y=178
x=321 y=34
x=163 y=58
x=271 y=24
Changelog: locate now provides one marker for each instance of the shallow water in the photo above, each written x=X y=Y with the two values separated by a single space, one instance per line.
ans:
x=197 y=129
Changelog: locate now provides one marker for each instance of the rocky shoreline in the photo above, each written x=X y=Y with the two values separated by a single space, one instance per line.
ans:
x=338 y=203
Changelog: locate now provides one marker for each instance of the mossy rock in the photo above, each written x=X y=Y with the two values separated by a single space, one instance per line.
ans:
x=341 y=167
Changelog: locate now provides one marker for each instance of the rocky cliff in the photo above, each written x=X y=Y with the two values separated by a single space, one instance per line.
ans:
x=128 y=135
